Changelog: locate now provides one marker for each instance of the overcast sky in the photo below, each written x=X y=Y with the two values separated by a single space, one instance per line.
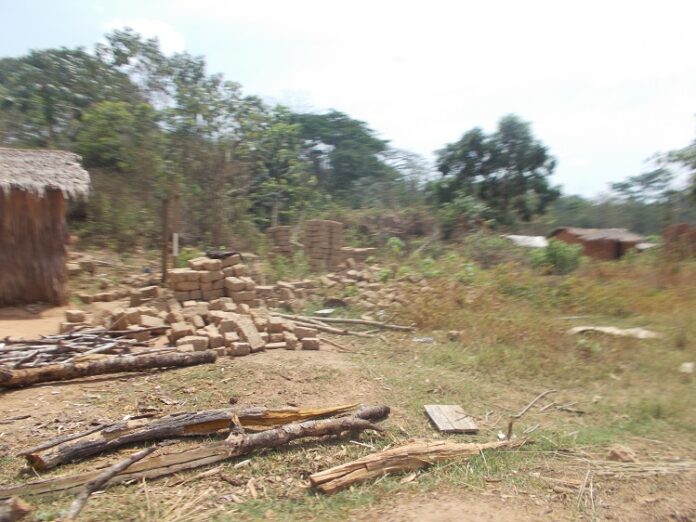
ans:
x=605 y=84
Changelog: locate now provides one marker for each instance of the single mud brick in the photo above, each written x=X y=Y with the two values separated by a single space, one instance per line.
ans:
x=133 y=314
x=239 y=348
x=180 y=330
x=199 y=342
x=185 y=286
x=196 y=294
x=66 y=327
x=231 y=260
x=275 y=325
x=303 y=332
x=234 y=284
x=215 y=338
x=276 y=346
x=247 y=332
x=221 y=351
x=212 y=294
x=198 y=263
x=310 y=343
x=219 y=285
x=260 y=322
x=174 y=317
x=212 y=264
x=240 y=270
x=243 y=308
x=182 y=296
x=265 y=336
x=85 y=298
x=118 y=320
x=73 y=269
x=249 y=283
x=138 y=334
x=230 y=337
x=185 y=348
x=217 y=304
x=182 y=274
x=244 y=296
x=291 y=342
x=210 y=276
x=75 y=316
x=276 y=337
x=149 y=292
x=149 y=321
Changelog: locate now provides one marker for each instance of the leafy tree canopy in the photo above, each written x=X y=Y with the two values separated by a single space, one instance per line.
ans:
x=507 y=170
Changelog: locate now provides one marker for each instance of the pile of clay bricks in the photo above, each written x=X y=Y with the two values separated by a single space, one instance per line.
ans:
x=280 y=238
x=208 y=279
x=283 y=293
x=323 y=240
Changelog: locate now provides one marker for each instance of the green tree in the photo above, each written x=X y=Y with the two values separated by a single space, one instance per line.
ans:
x=507 y=170
x=342 y=151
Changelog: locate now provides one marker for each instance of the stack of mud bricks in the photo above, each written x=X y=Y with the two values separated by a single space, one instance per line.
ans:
x=210 y=279
x=322 y=244
x=280 y=239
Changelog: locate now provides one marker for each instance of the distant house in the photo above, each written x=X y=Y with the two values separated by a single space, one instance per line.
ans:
x=34 y=185
x=599 y=243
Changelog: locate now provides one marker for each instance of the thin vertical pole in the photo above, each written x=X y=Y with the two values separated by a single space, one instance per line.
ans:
x=165 y=237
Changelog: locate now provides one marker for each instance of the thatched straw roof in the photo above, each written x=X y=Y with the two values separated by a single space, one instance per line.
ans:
x=596 y=234
x=36 y=171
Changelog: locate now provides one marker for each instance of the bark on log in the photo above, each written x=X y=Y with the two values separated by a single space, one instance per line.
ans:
x=209 y=422
x=61 y=372
x=103 y=478
x=415 y=455
x=176 y=461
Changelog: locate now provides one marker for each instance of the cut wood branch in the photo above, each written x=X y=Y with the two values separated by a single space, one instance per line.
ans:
x=61 y=372
x=346 y=320
x=179 y=460
x=102 y=479
x=513 y=418
x=409 y=457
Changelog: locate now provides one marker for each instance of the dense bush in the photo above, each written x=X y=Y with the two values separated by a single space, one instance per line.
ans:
x=557 y=258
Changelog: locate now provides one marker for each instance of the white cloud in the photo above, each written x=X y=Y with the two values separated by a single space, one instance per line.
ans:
x=171 y=40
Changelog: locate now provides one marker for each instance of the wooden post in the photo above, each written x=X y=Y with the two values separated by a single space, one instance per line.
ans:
x=165 y=237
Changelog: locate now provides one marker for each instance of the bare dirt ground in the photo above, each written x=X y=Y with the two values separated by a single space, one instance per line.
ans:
x=504 y=491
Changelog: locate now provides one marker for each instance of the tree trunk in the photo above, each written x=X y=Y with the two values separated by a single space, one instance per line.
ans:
x=190 y=458
x=112 y=436
x=128 y=363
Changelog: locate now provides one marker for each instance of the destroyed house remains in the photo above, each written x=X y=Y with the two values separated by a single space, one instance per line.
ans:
x=34 y=185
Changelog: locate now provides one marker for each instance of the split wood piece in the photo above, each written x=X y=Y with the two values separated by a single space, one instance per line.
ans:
x=109 y=437
x=13 y=509
x=450 y=418
x=184 y=459
x=364 y=322
x=103 y=478
x=128 y=363
x=409 y=457
x=330 y=329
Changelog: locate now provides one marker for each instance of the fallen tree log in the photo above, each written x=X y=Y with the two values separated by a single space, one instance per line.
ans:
x=409 y=457
x=115 y=435
x=128 y=363
x=174 y=461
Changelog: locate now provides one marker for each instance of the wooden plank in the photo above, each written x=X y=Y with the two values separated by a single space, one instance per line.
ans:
x=450 y=418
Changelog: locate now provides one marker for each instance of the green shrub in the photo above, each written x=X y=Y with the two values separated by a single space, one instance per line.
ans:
x=557 y=258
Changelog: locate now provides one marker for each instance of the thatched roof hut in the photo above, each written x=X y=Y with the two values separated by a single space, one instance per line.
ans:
x=599 y=243
x=34 y=185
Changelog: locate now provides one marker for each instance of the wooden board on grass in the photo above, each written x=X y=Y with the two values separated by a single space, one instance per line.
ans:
x=450 y=418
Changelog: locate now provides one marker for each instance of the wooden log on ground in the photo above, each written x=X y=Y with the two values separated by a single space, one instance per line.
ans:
x=60 y=372
x=112 y=436
x=174 y=461
x=409 y=457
